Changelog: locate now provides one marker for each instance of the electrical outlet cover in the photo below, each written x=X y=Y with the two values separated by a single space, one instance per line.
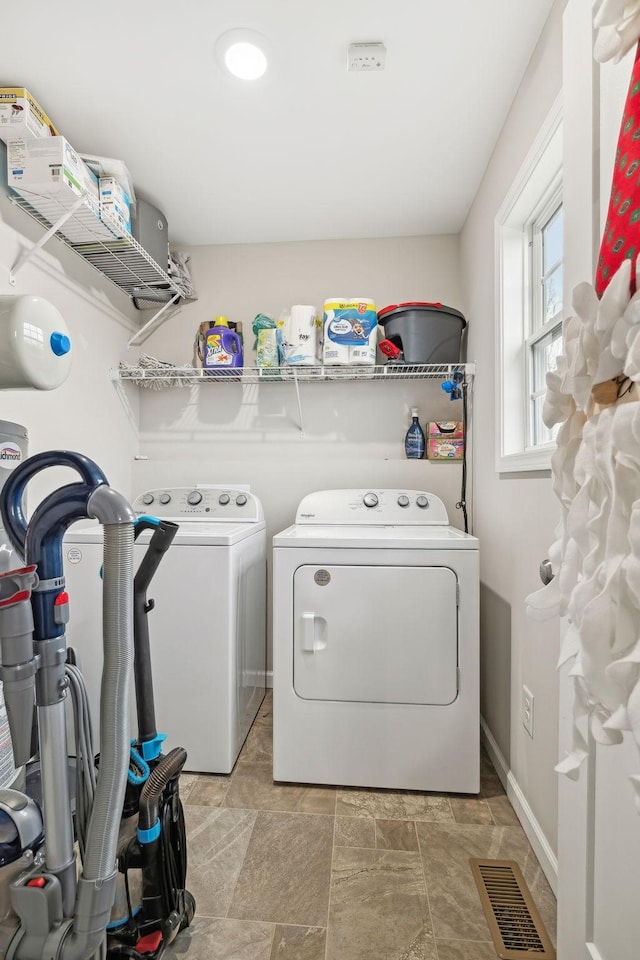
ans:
x=366 y=56
x=527 y=710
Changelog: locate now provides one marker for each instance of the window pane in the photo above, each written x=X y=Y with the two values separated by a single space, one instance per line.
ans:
x=545 y=357
x=541 y=433
x=552 y=241
x=553 y=294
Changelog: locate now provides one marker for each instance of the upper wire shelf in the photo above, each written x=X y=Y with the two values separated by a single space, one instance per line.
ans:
x=78 y=223
x=166 y=376
x=122 y=260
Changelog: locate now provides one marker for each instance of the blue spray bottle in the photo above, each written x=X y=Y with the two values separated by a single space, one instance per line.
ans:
x=414 y=439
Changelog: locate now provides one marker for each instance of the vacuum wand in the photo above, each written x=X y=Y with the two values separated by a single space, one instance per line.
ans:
x=163 y=533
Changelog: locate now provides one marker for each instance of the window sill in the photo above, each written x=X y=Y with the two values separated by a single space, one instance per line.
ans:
x=528 y=460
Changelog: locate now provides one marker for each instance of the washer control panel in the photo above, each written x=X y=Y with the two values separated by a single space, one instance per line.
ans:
x=200 y=503
x=373 y=507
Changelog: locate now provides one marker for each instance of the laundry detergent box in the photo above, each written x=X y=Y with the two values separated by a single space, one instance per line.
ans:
x=49 y=166
x=445 y=449
x=350 y=331
x=115 y=205
x=22 y=117
x=453 y=429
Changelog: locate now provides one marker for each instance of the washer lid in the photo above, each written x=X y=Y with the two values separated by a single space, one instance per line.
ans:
x=387 y=537
x=191 y=533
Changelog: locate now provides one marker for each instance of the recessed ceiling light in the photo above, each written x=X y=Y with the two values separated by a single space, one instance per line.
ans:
x=242 y=53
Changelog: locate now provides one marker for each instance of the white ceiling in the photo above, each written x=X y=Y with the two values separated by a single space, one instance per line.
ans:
x=310 y=151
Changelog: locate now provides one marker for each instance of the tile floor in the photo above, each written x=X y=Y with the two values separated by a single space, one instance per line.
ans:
x=295 y=872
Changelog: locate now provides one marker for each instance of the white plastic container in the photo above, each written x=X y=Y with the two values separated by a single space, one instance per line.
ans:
x=35 y=347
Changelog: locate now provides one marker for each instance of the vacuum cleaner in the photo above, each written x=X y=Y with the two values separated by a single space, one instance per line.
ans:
x=48 y=908
x=154 y=856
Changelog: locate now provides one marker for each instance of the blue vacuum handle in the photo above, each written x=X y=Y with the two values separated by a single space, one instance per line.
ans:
x=12 y=496
x=41 y=538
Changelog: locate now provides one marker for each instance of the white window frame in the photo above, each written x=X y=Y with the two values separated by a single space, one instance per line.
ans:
x=537 y=184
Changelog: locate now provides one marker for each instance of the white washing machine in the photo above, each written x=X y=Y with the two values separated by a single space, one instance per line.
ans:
x=376 y=660
x=208 y=629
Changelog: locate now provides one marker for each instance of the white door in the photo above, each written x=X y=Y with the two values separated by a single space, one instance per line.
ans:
x=598 y=826
x=376 y=634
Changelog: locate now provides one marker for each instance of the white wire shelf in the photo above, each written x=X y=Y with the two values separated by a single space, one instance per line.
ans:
x=76 y=221
x=167 y=376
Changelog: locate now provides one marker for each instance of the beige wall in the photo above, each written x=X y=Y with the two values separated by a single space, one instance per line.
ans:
x=354 y=431
x=87 y=413
x=515 y=514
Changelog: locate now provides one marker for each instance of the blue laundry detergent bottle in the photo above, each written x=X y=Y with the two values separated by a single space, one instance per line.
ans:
x=414 y=440
x=222 y=349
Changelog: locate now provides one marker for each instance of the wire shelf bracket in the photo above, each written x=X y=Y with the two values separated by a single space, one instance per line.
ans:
x=98 y=239
x=27 y=254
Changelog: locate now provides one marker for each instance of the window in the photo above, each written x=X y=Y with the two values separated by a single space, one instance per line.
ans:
x=529 y=295
x=544 y=342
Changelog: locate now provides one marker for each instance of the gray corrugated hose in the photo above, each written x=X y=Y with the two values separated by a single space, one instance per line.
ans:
x=117 y=611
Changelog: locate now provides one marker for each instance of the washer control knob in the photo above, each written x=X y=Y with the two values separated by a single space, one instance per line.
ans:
x=241 y=500
x=422 y=502
x=194 y=498
x=148 y=499
x=370 y=500
x=224 y=499
x=403 y=500
x=165 y=498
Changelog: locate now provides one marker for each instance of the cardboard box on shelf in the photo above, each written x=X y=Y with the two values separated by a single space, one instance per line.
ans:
x=115 y=206
x=452 y=429
x=445 y=450
x=48 y=166
x=21 y=116
x=50 y=176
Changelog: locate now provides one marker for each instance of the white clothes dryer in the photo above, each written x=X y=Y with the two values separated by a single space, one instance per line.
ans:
x=376 y=660
x=208 y=628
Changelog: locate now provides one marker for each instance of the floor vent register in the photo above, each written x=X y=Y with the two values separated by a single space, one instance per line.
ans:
x=516 y=927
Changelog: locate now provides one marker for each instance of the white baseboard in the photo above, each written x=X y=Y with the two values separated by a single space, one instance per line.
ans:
x=535 y=835
x=269 y=678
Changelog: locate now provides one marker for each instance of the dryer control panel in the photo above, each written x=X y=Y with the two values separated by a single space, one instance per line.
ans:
x=373 y=507
x=209 y=503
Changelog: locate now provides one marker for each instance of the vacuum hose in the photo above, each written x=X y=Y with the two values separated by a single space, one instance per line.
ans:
x=114 y=701
x=150 y=795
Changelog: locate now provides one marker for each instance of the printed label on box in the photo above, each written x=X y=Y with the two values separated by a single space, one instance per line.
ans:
x=445 y=450
x=445 y=428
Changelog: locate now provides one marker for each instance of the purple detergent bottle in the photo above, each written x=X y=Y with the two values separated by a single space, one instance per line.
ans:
x=222 y=349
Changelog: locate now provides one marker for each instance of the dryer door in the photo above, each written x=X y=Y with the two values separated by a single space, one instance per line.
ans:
x=376 y=634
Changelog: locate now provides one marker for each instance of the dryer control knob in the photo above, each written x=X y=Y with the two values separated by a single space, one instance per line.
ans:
x=224 y=499
x=370 y=500
x=194 y=498
x=422 y=502
x=148 y=499
x=241 y=500
x=403 y=500
x=165 y=498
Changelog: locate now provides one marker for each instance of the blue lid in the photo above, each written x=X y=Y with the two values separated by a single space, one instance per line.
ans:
x=60 y=343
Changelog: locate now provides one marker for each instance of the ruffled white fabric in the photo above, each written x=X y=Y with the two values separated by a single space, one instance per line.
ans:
x=617 y=23
x=596 y=554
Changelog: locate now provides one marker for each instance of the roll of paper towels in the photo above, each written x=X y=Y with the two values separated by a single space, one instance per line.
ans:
x=300 y=339
x=35 y=347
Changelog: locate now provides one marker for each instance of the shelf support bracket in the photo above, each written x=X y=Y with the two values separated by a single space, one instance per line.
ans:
x=140 y=336
x=300 y=417
x=26 y=255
